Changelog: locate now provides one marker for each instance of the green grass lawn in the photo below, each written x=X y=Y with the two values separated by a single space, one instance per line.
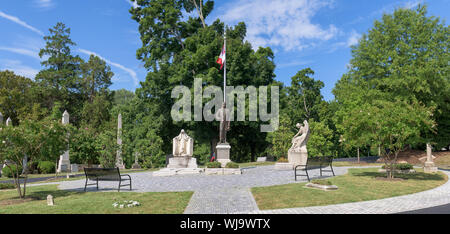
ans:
x=70 y=202
x=358 y=185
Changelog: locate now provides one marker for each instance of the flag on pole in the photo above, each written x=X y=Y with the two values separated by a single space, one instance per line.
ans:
x=221 y=59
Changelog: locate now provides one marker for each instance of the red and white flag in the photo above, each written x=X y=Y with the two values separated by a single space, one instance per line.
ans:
x=221 y=59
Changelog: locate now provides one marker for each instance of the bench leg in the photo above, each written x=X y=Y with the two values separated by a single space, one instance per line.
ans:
x=307 y=176
x=120 y=182
x=130 y=185
x=85 y=184
x=97 y=183
x=332 y=170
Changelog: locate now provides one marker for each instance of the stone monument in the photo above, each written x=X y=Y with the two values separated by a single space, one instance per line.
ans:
x=182 y=151
x=429 y=167
x=1 y=118
x=136 y=161
x=297 y=154
x=9 y=122
x=119 y=159
x=64 y=161
x=182 y=162
x=223 y=148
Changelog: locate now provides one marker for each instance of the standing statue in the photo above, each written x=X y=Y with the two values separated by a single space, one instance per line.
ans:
x=298 y=154
x=183 y=145
x=222 y=115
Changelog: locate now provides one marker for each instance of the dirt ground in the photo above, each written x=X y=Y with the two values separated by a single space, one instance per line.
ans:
x=418 y=157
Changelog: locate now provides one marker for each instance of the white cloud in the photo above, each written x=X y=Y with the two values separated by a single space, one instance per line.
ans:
x=18 y=68
x=27 y=52
x=44 y=3
x=353 y=39
x=133 y=4
x=127 y=70
x=20 y=22
x=412 y=4
x=284 y=23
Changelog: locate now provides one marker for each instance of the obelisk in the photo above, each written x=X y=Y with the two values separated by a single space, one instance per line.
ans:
x=119 y=160
x=64 y=161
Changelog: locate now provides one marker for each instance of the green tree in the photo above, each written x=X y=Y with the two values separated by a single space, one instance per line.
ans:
x=96 y=78
x=320 y=141
x=83 y=146
x=39 y=141
x=106 y=146
x=281 y=139
x=60 y=80
x=406 y=54
x=17 y=96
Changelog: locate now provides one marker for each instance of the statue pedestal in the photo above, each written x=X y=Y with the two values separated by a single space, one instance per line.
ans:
x=223 y=153
x=430 y=167
x=182 y=162
x=297 y=158
x=136 y=166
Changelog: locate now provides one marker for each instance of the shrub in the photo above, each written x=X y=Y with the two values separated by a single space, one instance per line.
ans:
x=322 y=182
x=7 y=186
x=401 y=166
x=6 y=172
x=232 y=165
x=282 y=160
x=46 y=167
x=213 y=164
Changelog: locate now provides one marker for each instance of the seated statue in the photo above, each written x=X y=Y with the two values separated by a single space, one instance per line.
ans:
x=299 y=142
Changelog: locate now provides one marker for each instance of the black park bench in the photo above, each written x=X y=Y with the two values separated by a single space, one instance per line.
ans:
x=314 y=163
x=105 y=174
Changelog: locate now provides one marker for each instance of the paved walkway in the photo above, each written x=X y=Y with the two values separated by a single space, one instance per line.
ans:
x=227 y=194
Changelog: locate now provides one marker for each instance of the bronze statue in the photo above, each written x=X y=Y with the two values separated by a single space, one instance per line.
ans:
x=222 y=115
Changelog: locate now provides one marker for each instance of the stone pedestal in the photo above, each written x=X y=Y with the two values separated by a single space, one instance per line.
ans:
x=297 y=158
x=430 y=167
x=182 y=162
x=284 y=166
x=223 y=153
x=64 y=163
x=136 y=166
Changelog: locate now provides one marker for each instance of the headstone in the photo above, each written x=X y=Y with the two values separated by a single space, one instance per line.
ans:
x=136 y=161
x=74 y=167
x=261 y=159
x=64 y=161
x=50 y=201
x=429 y=167
x=9 y=122
x=119 y=159
x=1 y=118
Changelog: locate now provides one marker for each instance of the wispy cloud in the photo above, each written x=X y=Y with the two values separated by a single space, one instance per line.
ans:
x=284 y=23
x=27 y=52
x=18 y=68
x=44 y=3
x=353 y=39
x=127 y=70
x=20 y=22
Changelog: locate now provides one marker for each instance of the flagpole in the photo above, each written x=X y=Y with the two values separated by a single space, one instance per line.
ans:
x=225 y=68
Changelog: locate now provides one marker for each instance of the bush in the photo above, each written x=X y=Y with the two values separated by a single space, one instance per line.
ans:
x=282 y=160
x=213 y=165
x=6 y=172
x=7 y=186
x=322 y=182
x=401 y=166
x=46 y=167
x=232 y=165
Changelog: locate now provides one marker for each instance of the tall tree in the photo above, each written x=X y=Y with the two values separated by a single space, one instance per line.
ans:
x=61 y=78
x=406 y=54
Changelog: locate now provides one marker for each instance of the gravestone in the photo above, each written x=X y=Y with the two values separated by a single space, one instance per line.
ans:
x=261 y=159
x=136 y=161
x=64 y=161
x=1 y=118
x=119 y=159
x=50 y=201
x=74 y=167
x=9 y=122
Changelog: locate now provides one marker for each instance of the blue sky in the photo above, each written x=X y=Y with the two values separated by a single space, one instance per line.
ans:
x=302 y=33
